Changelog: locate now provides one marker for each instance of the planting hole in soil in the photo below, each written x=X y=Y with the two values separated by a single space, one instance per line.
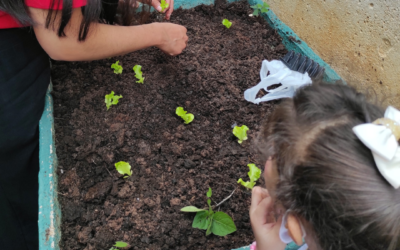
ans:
x=173 y=164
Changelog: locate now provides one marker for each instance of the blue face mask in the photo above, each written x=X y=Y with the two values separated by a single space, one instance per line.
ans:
x=285 y=236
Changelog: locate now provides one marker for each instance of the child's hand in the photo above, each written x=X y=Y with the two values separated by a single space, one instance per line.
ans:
x=168 y=11
x=265 y=228
x=173 y=38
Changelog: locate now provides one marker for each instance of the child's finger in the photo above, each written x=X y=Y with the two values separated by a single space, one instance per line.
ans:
x=260 y=214
x=257 y=195
x=156 y=5
x=170 y=9
x=267 y=235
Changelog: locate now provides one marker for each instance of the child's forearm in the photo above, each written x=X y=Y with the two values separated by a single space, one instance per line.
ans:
x=102 y=41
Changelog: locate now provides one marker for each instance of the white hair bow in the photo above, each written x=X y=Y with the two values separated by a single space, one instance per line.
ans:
x=382 y=138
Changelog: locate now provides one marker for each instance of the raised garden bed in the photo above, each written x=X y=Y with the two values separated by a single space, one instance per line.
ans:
x=173 y=164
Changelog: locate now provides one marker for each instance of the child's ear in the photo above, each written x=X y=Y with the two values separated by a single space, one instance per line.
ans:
x=294 y=227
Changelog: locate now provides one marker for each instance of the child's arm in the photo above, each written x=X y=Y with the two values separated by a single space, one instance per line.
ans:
x=105 y=40
x=265 y=231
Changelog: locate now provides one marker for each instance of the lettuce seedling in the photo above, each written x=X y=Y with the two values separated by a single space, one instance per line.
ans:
x=227 y=23
x=138 y=72
x=117 y=68
x=263 y=8
x=188 y=118
x=119 y=244
x=124 y=168
x=112 y=99
x=164 y=5
x=254 y=175
x=218 y=223
x=240 y=133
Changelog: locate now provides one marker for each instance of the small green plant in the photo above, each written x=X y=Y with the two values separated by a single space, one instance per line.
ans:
x=112 y=99
x=263 y=8
x=254 y=174
x=164 y=5
x=139 y=74
x=124 y=168
x=218 y=223
x=240 y=133
x=119 y=244
x=188 y=118
x=117 y=68
x=227 y=23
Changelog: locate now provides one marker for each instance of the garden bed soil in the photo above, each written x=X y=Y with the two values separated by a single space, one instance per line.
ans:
x=173 y=164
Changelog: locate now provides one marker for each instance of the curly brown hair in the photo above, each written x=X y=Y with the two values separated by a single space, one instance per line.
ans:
x=326 y=175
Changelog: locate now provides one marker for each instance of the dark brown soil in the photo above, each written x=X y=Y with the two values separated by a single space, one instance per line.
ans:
x=173 y=164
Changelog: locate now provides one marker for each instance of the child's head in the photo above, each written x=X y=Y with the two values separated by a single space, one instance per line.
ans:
x=326 y=177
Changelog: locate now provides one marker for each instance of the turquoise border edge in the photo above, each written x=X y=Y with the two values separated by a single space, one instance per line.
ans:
x=49 y=210
x=290 y=246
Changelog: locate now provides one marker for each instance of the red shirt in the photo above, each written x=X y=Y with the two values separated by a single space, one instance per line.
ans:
x=7 y=21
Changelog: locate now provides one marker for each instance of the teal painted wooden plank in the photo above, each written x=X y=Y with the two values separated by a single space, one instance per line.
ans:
x=243 y=248
x=49 y=210
x=291 y=246
x=187 y=4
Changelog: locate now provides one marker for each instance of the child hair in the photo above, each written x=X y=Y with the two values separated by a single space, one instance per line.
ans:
x=327 y=176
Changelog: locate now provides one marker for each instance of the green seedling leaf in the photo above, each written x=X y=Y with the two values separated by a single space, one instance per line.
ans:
x=191 y=209
x=120 y=244
x=264 y=8
x=111 y=99
x=188 y=118
x=255 y=13
x=254 y=174
x=138 y=73
x=200 y=220
x=254 y=6
x=209 y=193
x=164 y=5
x=217 y=223
x=123 y=168
x=240 y=133
x=222 y=224
x=117 y=68
x=246 y=184
x=226 y=23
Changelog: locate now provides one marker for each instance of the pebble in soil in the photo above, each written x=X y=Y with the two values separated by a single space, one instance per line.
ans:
x=173 y=164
